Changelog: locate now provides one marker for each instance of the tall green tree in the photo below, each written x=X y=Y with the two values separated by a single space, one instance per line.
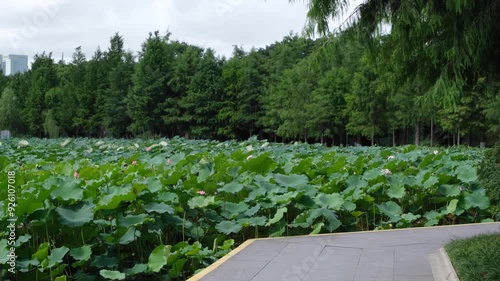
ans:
x=243 y=79
x=185 y=67
x=120 y=65
x=77 y=75
x=146 y=101
x=445 y=44
x=43 y=78
x=326 y=109
x=10 y=111
x=202 y=102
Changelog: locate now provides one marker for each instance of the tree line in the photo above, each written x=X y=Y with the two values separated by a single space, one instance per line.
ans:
x=339 y=89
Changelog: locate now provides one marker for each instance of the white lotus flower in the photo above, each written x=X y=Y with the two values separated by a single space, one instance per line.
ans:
x=386 y=172
x=436 y=152
x=66 y=142
x=391 y=157
x=164 y=143
x=249 y=157
x=23 y=143
x=136 y=145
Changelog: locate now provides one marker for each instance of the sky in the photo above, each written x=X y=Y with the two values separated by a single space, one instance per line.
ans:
x=29 y=27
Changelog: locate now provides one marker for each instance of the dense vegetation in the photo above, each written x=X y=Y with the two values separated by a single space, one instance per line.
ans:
x=94 y=209
x=419 y=86
x=476 y=258
x=489 y=175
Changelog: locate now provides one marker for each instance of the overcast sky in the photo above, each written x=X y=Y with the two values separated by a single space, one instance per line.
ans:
x=59 y=26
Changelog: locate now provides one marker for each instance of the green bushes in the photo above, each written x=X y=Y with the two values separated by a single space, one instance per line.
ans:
x=489 y=174
x=476 y=258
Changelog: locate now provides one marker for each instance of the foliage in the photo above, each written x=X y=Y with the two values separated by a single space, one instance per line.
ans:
x=9 y=111
x=145 y=210
x=476 y=258
x=391 y=88
x=489 y=174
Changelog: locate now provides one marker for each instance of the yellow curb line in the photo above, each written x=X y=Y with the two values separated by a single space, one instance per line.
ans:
x=219 y=262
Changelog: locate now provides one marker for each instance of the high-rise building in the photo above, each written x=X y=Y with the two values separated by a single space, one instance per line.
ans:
x=13 y=64
x=2 y=67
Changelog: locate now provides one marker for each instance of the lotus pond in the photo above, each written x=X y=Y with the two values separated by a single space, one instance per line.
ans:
x=83 y=209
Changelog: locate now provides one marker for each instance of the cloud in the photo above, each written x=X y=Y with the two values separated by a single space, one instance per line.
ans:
x=59 y=26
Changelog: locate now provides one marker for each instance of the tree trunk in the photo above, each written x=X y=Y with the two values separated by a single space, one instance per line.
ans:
x=432 y=132
x=417 y=134
x=373 y=134
x=458 y=136
x=393 y=138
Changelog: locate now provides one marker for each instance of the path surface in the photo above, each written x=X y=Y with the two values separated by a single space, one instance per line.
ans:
x=392 y=255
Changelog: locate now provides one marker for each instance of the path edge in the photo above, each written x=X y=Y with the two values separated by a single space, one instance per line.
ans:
x=220 y=261
x=442 y=268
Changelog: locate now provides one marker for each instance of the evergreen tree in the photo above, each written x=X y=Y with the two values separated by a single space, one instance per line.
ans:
x=9 y=111
x=146 y=101
x=43 y=78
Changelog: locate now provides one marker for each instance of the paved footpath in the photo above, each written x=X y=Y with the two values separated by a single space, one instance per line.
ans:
x=390 y=255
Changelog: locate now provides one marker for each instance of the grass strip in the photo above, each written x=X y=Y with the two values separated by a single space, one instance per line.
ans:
x=476 y=258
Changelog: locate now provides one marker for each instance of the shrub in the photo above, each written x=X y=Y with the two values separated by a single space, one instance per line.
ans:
x=489 y=174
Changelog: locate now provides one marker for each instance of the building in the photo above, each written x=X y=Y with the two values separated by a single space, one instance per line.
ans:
x=2 y=67
x=13 y=64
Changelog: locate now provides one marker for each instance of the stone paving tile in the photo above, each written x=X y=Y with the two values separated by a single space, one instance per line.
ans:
x=417 y=267
x=378 y=257
x=336 y=257
x=379 y=272
x=283 y=271
x=236 y=270
x=331 y=275
x=261 y=250
x=298 y=253
x=413 y=278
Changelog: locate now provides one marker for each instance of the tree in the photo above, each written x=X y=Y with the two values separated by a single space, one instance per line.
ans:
x=201 y=103
x=146 y=101
x=120 y=65
x=184 y=69
x=88 y=117
x=77 y=76
x=243 y=79
x=326 y=110
x=44 y=78
x=9 y=111
x=445 y=44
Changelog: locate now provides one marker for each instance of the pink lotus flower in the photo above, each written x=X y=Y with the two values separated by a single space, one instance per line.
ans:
x=134 y=162
x=148 y=149
x=386 y=172
x=169 y=161
x=76 y=175
x=201 y=192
